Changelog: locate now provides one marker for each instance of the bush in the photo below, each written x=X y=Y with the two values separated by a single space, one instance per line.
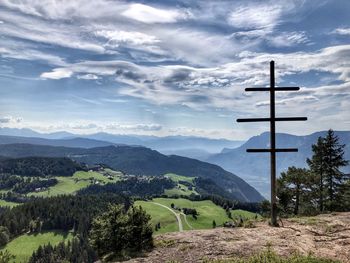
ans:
x=120 y=233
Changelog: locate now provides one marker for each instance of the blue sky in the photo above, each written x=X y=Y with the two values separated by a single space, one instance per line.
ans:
x=172 y=67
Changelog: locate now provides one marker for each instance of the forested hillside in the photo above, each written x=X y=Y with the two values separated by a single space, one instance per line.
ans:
x=39 y=166
x=141 y=161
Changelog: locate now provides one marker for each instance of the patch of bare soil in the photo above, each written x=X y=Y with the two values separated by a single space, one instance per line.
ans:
x=325 y=236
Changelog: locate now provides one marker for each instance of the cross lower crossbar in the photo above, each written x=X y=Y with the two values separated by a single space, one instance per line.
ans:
x=274 y=119
x=272 y=150
x=276 y=89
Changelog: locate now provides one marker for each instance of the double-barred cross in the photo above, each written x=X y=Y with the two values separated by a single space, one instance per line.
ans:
x=272 y=150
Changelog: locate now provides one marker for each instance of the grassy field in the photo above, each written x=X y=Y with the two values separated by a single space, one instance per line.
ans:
x=236 y=214
x=180 y=189
x=71 y=184
x=6 y=203
x=159 y=214
x=176 y=178
x=23 y=246
x=207 y=210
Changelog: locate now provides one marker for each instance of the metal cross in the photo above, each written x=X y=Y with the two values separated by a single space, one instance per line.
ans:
x=272 y=150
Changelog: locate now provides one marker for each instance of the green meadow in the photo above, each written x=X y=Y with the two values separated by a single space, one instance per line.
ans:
x=207 y=210
x=22 y=247
x=180 y=189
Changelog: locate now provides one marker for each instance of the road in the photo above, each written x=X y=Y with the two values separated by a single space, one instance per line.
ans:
x=176 y=215
x=187 y=221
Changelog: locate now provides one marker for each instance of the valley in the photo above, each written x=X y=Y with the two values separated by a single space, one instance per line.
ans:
x=53 y=198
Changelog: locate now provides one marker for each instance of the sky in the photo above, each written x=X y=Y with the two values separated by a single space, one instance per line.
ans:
x=172 y=67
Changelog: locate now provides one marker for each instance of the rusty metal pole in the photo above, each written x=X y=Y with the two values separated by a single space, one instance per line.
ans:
x=273 y=145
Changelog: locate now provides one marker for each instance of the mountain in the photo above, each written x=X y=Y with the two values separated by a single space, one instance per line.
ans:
x=73 y=142
x=189 y=146
x=25 y=132
x=141 y=161
x=255 y=167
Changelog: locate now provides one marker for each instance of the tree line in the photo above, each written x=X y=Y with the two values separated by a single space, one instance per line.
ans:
x=40 y=166
x=134 y=186
x=322 y=187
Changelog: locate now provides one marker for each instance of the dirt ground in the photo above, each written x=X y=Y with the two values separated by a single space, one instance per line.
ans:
x=324 y=235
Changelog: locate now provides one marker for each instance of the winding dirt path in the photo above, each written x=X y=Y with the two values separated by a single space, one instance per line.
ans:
x=178 y=218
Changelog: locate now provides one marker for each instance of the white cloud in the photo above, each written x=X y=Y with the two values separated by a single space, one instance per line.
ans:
x=149 y=15
x=203 y=88
x=58 y=73
x=88 y=77
x=66 y=9
x=287 y=39
x=134 y=127
x=10 y=120
x=25 y=52
x=135 y=38
x=37 y=30
x=296 y=100
x=255 y=16
x=342 y=31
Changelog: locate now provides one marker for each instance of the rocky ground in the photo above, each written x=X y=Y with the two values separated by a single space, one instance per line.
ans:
x=324 y=235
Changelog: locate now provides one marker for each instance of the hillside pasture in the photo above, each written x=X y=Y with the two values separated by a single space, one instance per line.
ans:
x=72 y=184
x=22 y=247
x=180 y=189
x=207 y=210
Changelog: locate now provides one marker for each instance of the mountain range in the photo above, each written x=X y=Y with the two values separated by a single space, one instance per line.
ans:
x=228 y=154
x=189 y=146
x=255 y=167
x=138 y=160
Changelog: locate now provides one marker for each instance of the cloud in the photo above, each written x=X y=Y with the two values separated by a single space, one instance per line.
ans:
x=10 y=120
x=149 y=15
x=342 y=31
x=24 y=52
x=255 y=16
x=215 y=87
x=135 y=127
x=58 y=73
x=287 y=39
x=88 y=77
x=115 y=38
x=28 y=28
x=297 y=99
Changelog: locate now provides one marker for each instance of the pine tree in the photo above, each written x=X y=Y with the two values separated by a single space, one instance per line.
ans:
x=295 y=181
x=334 y=160
x=317 y=168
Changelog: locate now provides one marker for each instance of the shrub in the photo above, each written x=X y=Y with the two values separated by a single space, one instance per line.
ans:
x=120 y=233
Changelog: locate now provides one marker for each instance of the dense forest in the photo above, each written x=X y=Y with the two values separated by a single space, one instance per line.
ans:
x=133 y=186
x=39 y=166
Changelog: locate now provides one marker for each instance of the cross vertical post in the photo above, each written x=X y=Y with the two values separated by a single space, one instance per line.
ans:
x=273 y=144
x=273 y=150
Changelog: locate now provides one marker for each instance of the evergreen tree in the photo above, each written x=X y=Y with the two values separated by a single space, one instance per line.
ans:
x=139 y=230
x=334 y=160
x=116 y=232
x=317 y=167
x=294 y=183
